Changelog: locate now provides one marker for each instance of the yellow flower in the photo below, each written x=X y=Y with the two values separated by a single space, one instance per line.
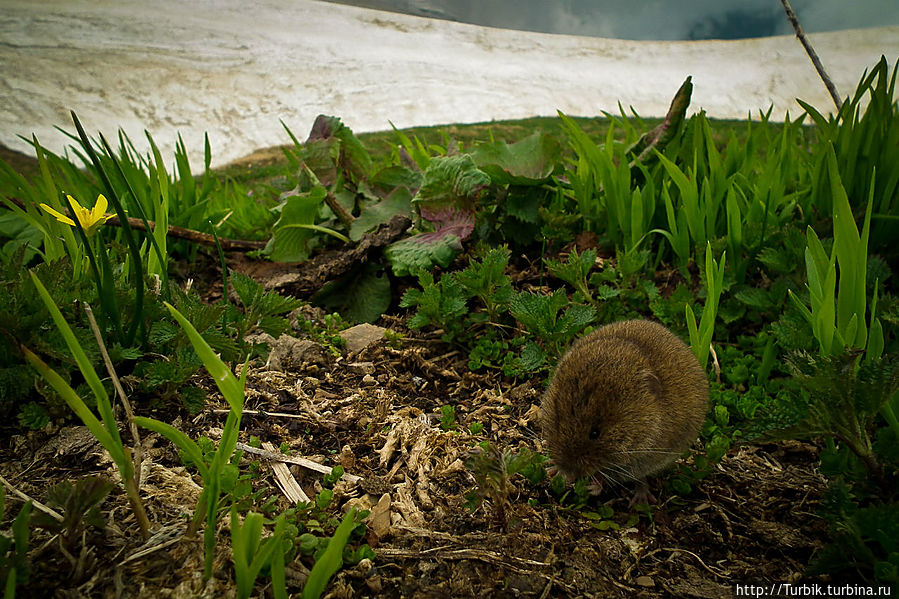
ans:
x=90 y=219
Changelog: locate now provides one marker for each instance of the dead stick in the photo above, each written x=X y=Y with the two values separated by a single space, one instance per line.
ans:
x=794 y=21
x=345 y=217
x=308 y=464
x=228 y=245
x=34 y=502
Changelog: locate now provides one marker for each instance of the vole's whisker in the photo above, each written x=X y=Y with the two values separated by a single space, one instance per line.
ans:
x=648 y=450
x=623 y=473
x=530 y=434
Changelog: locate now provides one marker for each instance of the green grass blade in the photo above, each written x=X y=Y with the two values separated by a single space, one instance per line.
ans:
x=181 y=441
x=331 y=560
x=227 y=383
x=113 y=446
x=127 y=233
x=84 y=364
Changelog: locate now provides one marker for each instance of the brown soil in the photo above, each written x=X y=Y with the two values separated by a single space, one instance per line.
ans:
x=377 y=413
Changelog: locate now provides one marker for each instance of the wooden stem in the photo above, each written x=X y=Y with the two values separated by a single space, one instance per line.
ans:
x=794 y=21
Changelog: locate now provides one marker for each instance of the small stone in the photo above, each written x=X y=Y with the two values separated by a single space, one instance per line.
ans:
x=379 y=517
x=288 y=353
x=369 y=381
x=361 y=367
x=374 y=584
x=362 y=336
x=645 y=581
x=347 y=458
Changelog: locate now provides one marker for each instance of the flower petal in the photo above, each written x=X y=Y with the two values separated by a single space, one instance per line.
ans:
x=60 y=217
x=100 y=206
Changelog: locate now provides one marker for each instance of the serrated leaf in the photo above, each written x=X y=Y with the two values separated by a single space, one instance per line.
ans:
x=524 y=205
x=227 y=383
x=532 y=357
x=486 y=278
x=575 y=318
x=779 y=261
x=246 y=288
x=604 y=292
x=438 y=303
x=575 y=270
x=422 y=252
x=754 y=297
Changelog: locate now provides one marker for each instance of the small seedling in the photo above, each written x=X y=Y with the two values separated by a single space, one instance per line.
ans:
x=601 y=518
x=492 y=470
x=80 y=505
x=448 y=418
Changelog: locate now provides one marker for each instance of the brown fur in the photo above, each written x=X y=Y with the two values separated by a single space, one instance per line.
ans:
x=641 y=392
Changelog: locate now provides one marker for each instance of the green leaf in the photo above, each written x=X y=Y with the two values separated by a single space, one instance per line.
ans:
x=540 y=316
x=486 y=279
x=84 y=364
x=289 y=242
x=227 y=383
x=392 y=177
x=524 y=204
x=332 y=147
x=422 y=252
x=439 y=304
x=111 y=444
x=398 y=202
x=361 y=295
x=530 y=161
x=450 y=182
x=179 y=439
x=850 y=250
x=331 y=560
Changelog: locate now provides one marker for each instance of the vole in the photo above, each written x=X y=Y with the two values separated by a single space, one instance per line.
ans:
x=624 y=402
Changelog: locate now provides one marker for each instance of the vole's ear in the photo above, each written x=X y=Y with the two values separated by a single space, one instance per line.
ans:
x=653 y=383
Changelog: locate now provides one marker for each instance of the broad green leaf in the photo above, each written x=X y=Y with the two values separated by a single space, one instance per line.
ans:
x=398 y=202
x=332 y=146
x=361 y=295
x=290 y=243
x=451 y=184
x=422 y=252
x=530 y=161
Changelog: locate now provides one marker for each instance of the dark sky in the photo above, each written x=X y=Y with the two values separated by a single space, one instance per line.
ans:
x=653 y=19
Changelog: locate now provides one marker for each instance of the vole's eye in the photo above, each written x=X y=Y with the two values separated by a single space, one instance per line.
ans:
x=594 y=433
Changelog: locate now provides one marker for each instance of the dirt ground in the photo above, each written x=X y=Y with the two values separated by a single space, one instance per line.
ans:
x=375 y=409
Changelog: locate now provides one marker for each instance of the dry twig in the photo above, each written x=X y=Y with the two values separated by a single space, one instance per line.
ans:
x=828 y=83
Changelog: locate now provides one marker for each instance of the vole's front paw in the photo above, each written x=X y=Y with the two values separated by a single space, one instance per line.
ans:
x=642 y=494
